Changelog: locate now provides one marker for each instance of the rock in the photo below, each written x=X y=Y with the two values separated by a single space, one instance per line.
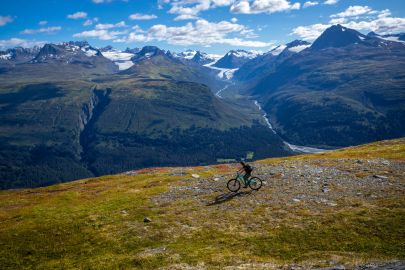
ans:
x=124 y=213
x=325 y=190
x=385 y=162
x=195 y=175
x=380 y=176
x=296 y=200
x=147 y=220
x=216 y=179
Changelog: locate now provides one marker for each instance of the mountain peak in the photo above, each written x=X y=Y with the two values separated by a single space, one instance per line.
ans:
x=337 y=36
x=147 y=52
x=297 y=42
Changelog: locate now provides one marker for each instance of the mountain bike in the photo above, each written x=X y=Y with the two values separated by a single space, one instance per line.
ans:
x=254 y=183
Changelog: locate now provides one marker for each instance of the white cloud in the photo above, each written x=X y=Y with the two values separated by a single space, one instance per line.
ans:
x=189 y=9
x=14 y=42
x=310 y=32
x=5 y=20
x=43 y=23
x=89 y=22
x=384 y=13
x=310 y=4
x=139 y=16
x=378 y=21
x=263 y=6
x=234 y=20
x=330 y=2
x=78 y=15
x=101 y=1
x=138 y=29
x=353 y=11
x=48 y=30
x=202 y=32
x=100 y=34
x=338 y=21
x=184 y=17
x=101 y=26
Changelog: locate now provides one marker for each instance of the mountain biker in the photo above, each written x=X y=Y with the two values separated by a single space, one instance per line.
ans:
x=248 y=171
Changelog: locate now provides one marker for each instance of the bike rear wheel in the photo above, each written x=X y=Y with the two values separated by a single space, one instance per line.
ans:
x=233 y=185
x=255 y=183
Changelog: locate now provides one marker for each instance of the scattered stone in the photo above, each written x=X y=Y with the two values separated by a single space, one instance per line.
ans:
x=131 y=173
x=385 y=162
x=380 y=176
x=325 y=190
x=124 y=213
x=194 y=175
x=147 y=220
x=216 y=179
x=296 y=200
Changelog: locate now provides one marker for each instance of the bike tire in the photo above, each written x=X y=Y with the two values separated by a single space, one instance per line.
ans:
x=233 y=185
x=255 y=183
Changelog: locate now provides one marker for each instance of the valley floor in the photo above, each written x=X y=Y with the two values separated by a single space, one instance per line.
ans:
x=337 y=210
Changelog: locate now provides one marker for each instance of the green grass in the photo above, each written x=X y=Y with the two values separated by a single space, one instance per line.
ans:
x=98 y=224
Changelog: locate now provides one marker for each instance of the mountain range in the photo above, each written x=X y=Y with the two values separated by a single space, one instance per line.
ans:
x=345 y=89
x=70 y=110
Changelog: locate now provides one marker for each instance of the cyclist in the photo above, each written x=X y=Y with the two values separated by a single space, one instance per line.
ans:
x=248 y=171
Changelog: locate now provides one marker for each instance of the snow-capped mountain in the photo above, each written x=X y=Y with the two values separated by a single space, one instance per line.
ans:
x=297 y=46
x=19 y=54
x=204 y=58
x=189 y=54
x=147 y=52
x=337 y=36
x=198 y=57
x=66 y=52
x=263 y=63
x=235 y=59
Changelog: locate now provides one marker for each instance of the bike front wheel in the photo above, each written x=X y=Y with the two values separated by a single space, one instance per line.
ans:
x=255 y=183
x=233 y=185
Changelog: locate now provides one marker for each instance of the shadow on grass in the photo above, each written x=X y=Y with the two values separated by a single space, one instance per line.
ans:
x=228 y=196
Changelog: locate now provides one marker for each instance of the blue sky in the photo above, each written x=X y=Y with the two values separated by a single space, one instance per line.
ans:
x=214 y=26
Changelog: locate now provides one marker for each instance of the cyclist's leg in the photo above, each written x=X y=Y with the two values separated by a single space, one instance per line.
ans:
x=246 y=179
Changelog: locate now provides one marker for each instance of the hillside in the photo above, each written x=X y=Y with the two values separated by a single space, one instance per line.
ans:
x=336 y=209
x=346 y=89
x=70 y=114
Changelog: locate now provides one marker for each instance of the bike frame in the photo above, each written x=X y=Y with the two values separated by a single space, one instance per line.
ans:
x=240 y=178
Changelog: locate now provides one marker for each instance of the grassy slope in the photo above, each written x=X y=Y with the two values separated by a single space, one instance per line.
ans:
x=98 y=223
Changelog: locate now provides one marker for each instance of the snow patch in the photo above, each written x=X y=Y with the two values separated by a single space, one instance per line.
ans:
x=243 y=54
x=279 y=49
x=298 y=48
x=121 y=59
x=392 y=38
x=89 y=52
x=5 y=56
x=224 y=73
